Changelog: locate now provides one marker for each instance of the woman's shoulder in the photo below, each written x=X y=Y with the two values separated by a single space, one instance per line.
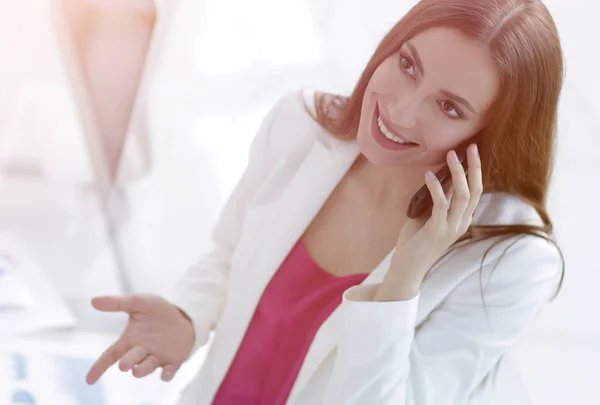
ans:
x=499 y=208
x=506 y=209
x=297 y=105
x=293 y=125
x=525 y=263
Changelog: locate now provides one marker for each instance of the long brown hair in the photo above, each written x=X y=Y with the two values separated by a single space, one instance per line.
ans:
x=517 y=144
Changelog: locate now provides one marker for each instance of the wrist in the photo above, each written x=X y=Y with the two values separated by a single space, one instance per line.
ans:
x=188 y=322
x=397 y=288
x=183 y=314
x=387 y=294
x=399 y=284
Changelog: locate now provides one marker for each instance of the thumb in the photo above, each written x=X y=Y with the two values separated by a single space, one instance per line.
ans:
x=127 y=303
x=168 y=373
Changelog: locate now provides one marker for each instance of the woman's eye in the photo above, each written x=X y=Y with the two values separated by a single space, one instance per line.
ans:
x=407 y=65
x=450 y=109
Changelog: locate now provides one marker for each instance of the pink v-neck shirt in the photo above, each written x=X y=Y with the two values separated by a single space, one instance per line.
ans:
x=298 y=299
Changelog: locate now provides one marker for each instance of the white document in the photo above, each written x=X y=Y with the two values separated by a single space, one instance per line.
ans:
x=28 y=300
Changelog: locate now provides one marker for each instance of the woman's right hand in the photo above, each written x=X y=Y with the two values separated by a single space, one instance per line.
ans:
x=158 y=335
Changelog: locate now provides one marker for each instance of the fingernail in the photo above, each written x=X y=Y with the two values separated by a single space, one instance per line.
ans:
x=430 y=175
x=454 y=157
x=474 y=150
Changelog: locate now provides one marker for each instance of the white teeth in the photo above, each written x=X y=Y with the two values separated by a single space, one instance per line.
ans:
x=388 y=134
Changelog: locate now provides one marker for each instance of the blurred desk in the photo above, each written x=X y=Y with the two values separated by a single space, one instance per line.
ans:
x=50 y=368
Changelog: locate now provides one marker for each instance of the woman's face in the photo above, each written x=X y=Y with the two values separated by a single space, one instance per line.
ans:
x=433 y=94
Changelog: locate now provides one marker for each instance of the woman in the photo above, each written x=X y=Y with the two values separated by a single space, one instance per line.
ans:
x=320 y=288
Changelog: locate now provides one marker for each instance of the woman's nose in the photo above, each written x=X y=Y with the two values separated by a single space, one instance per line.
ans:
x=403 y=112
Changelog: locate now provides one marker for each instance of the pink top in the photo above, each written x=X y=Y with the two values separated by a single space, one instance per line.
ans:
x=295 y=303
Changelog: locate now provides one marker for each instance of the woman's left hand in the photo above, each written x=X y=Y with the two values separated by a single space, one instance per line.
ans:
x=423 y=241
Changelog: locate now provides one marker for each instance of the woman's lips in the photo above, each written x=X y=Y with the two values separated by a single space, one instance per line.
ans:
x=381 y=139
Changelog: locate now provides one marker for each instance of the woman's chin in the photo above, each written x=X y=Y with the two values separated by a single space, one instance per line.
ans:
x=379 y=156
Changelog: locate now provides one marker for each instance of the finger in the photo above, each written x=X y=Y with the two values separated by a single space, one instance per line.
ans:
x=168 y=373
x=450 y=196
x=461 y=196
x=128 y=303
x=146 y=367
x=475 y=179
x=133 y=357
x=107 y=359
x=440 y=201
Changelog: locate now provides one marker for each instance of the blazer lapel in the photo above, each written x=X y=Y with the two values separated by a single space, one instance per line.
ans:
x=317 y=176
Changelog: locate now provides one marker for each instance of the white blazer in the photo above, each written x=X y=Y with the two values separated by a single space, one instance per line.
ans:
x=432 y=350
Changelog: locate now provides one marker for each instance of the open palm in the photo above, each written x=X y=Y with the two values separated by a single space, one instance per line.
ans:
x=158 y=335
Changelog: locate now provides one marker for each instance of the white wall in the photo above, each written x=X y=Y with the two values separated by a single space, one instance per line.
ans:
x=45 y=176
x=561 y=353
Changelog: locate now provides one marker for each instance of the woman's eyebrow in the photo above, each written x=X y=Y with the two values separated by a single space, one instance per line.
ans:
x=461 y=100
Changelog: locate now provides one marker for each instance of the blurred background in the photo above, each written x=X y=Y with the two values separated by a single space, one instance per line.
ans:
x=124 y=124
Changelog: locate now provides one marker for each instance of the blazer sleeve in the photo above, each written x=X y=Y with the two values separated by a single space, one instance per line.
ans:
x=201 y=292
x=382 y=360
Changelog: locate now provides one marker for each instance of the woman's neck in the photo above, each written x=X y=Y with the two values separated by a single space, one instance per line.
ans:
x=386 y=186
